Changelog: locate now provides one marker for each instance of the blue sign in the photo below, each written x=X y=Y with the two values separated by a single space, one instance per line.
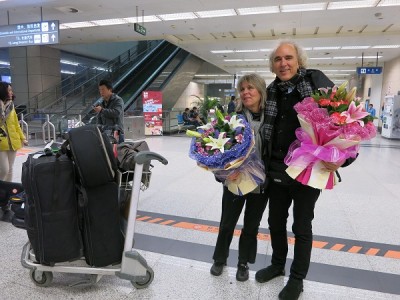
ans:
x=369 y=70
x=27 y=34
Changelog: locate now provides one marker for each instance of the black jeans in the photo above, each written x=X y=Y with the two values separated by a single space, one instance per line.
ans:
x=232 y=206
x=280 y=200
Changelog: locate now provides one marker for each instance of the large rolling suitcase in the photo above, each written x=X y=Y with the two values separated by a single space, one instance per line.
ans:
x=51 y=208
x=93 y=155
x=100 y=221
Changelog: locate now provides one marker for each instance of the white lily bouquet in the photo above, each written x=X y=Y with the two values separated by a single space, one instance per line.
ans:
x=225 y=146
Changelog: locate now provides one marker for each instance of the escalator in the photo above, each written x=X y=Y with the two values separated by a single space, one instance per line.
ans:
x=143 y=77
x=131 y=84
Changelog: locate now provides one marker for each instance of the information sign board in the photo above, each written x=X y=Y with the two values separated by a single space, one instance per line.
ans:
x=28 y=34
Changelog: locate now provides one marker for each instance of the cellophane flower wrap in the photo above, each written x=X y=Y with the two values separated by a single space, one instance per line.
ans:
x=226 y=147
x=333 y=123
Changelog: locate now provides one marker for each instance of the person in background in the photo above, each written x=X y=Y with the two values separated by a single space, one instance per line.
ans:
x=371 y=110
x=12 y=137
x=188 y=120
x=232 y=105
x=292 y=84
x=110 y=112
x=252 y=89
x=194 y=116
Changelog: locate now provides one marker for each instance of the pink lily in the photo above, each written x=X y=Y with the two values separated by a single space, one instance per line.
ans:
x=355 y=114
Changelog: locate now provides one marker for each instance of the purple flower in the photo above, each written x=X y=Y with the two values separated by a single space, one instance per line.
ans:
x=239 y=138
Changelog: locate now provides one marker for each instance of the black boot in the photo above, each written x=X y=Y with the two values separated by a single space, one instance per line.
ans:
x=217 y=268
x=269 y=273
x=242 y=273
x=292 y=290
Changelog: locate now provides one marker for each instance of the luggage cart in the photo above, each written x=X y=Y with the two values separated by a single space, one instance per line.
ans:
x=133 y=266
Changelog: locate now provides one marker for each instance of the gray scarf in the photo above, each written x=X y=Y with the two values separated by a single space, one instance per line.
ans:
x=271 y=110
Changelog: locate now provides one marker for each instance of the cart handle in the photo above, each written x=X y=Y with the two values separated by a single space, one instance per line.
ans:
x=146 y=156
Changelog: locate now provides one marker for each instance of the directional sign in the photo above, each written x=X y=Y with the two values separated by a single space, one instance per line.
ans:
x=373 y=70
x=28 y=34
x=140 y=29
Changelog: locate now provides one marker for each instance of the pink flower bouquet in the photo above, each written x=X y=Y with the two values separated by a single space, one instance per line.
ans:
x=333 y=123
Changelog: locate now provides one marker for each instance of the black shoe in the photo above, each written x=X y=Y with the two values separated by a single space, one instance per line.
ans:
x=242 y=273
x=269 y=273
x=217 y=268
x=292 y=290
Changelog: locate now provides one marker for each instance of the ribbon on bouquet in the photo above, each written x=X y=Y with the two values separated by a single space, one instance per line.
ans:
x=249 y=169
x=305 y=162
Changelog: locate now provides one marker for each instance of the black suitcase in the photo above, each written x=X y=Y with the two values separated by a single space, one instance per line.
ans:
x=51 y=208
x=100 y=224
x=93 y=155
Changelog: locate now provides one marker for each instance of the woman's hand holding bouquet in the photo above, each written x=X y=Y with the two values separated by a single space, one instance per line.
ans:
x=225 y=146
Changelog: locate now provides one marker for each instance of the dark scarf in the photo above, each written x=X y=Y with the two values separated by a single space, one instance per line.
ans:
x=271 y=110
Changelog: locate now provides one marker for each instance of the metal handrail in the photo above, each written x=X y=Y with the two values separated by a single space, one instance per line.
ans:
x=48 y=125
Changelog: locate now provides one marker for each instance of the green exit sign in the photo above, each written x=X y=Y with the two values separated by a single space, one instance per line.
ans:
x=140 y=29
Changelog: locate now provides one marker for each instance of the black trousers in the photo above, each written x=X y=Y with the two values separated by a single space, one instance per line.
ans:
x=232 y=206
x=280 y=200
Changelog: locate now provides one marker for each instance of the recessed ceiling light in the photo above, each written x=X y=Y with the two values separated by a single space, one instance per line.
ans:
x=258 y=10
x=221 y=51
x=389 y=3
x=351 y=4
x=110 y=22
x=179 y=16
x=386 y=46
x=354 y=47
x=303 y=7
x=216 y=13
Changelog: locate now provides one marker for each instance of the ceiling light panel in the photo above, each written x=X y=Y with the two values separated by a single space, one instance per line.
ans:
x=354 y=47
x=370 y=56
x=110 y=22
x=77 y=25
x=216 y=13
x=327 y=48
x=389 y=3
x=221 y=51
x=179 y=16
x=254 y=59
x=344 y=57
x=386 y=46
x=351 y=4
x=303 y=7
x=246 y=51
x=144 y=19
x=258 y=10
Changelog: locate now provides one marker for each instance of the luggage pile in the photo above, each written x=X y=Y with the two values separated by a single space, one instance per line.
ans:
x=72 y=201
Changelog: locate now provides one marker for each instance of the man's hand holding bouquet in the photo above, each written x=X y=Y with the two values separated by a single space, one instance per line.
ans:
x=333 y=123
x=226 y=147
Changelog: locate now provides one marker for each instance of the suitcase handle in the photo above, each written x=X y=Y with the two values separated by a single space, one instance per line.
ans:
x=146 y=156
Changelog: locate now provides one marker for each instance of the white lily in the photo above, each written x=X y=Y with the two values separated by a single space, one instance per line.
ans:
x=218 y=143
x=234 y=122
x=206 y=126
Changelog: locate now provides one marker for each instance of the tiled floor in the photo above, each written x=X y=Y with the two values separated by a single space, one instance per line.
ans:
x=356 y=227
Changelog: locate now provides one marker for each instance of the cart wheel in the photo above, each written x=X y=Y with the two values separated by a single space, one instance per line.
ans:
x=44 y=280
x=141 y=284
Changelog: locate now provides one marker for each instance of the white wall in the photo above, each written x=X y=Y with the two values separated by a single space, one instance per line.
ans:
x=391 y=78
x=187 y=99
